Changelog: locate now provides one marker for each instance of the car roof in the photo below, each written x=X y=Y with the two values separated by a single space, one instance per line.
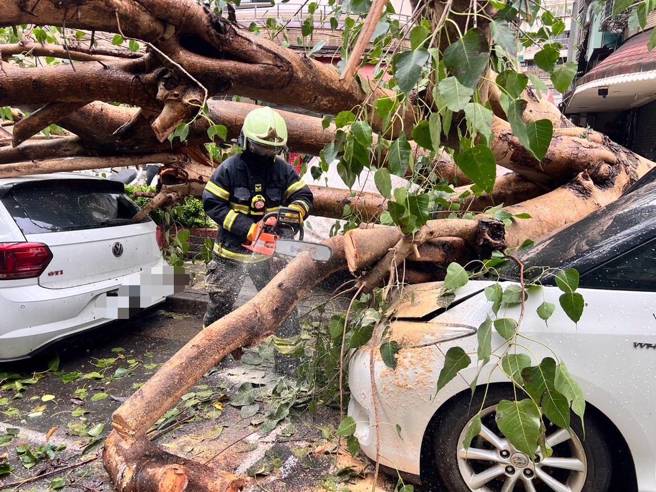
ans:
x=603 y=235
x=45 y=177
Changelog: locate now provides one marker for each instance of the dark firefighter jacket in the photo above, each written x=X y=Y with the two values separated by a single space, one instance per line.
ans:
x=241 y=191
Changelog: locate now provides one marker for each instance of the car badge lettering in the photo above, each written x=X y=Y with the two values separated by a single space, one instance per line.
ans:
x=644 y=345
x=117 y=249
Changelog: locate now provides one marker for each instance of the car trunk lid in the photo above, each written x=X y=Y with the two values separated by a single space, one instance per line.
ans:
x=88 y=226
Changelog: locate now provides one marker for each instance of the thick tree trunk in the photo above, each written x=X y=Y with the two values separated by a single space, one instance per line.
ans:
x=189 y=55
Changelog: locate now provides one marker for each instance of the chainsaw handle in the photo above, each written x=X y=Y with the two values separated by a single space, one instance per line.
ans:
x=282 y=216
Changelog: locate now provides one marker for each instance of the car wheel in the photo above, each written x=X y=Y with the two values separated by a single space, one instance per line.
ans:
x=492 y=464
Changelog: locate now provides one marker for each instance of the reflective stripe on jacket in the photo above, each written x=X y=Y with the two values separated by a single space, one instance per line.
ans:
x=242 y=189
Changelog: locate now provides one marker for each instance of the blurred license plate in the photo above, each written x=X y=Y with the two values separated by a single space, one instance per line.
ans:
x=141 y=290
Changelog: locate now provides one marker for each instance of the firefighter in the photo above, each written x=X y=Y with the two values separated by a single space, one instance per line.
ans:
x=239 y=193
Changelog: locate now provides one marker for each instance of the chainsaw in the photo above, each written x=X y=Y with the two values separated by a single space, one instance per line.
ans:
x=275 y=235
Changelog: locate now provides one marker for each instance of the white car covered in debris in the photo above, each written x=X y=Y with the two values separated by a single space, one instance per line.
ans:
x=610 y=352
x=71 y=258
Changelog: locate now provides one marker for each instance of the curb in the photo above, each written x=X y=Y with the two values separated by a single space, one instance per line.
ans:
x=187 y=301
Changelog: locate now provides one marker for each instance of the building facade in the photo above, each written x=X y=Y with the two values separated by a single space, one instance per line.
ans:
x=615 y=89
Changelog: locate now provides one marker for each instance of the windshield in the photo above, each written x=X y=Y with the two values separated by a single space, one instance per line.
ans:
x=65 y=205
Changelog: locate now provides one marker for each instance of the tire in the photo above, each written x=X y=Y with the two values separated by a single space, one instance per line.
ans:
x=453 y=418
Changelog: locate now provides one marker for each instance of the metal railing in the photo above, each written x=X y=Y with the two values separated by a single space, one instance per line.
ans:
x=293 y=14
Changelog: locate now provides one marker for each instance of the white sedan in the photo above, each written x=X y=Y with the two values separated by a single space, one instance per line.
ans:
x=610 y=352
x=72 y=258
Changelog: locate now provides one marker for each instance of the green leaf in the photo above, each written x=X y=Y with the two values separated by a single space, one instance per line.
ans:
x=53 y=365
x=118 y=40
x=217 y=131
x=565 y=384
x=99 y=396
x=362 y=133
x=346 y=427
x=248 y=411
x=538 y=378
x=45 y=398
x=383 y=182
x=133 y=45
x=96 y=430
x=78 y=412
x=467 y=58
x=388 y=351
x=407 y=67
x=641 y=14
x=456 y=277
x=480 y=118
x=506 y=327
x=572 y=304
x=512 y=82
x=40 y=34
x=652 y=40
x=535 y=136
x=336 y=327
x=513 y=295
x=182 y=132
x=5 y=469
x=384 y=107
x=556 y=408
x=353 y=445
x=344 y=118
x=435 y=129
x=494 y=294
x=453 y=94
x=473 y=430
x=484 y=335
x=520 y=423
x=547 y=57
x=538 y=84
x=563 y=76
x=513 y=364
x=92 y=375
x=421 y=135
x=479 y=165
x=399 y=156
x=539 y=137
x=58 y=483
x=456 y=359
x=545 y=310
x=418 y=36
x=504 y=36
x=360 y=336
x=568 y=280
x=620 y=6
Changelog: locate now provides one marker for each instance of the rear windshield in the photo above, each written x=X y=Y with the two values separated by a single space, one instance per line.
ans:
x=66 y=205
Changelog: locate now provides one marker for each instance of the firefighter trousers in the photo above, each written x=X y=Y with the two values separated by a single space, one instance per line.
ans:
x=225 y=279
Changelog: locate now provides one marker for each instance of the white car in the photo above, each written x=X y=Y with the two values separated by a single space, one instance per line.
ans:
x=610 y=352
x=72 y=258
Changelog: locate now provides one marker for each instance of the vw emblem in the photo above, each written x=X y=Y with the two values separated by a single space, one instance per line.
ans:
x=117 y=249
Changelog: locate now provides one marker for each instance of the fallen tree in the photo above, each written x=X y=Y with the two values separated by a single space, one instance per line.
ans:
x=135 y=87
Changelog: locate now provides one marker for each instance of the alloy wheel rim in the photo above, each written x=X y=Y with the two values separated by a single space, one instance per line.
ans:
x=492 y=464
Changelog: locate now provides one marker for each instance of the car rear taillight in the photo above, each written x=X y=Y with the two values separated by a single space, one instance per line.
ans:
x=23 y=260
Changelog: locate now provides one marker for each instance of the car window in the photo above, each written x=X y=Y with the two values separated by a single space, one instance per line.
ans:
x=65 y=205
x=634 y=270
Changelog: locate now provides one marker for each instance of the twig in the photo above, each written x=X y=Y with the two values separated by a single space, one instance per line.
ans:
x=229 y=446
x=375 y=13
x=341 y=355
x=20 y=483
x=168 y=429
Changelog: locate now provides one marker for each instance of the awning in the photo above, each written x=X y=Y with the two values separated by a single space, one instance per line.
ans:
x=624 y=80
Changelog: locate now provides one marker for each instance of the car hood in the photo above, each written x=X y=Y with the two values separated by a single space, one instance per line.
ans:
x=420 y=301
x=420 y=314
